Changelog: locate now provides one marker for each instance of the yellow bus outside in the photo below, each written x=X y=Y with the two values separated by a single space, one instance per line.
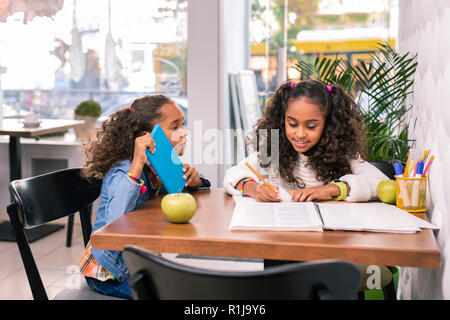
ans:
x=353 y=50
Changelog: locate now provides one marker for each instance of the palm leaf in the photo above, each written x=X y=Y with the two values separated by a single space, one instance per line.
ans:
x=384 y=84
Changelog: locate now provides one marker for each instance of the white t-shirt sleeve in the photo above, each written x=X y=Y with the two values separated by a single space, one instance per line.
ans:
x=236 y=173
x=363 y=181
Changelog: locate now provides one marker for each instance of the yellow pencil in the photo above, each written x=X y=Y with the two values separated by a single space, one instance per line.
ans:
x=424 y=155
x=259 y=177
x=405 y=173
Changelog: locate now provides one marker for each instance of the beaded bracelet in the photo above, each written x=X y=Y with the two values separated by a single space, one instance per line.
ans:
x=242 y=184
x=138 y=180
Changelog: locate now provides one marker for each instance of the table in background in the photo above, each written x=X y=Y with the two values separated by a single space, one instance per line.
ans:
x=15 y=130
x=208 y=234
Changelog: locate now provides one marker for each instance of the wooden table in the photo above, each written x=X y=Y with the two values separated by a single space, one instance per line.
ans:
x=15 y=129
x=207 y=234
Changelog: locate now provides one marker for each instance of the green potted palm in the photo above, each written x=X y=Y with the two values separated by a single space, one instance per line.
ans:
x=89 y=111
x=381 y=88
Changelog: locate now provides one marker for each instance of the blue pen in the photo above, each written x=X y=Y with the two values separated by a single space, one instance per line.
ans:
x=419 y=169
x=398 y=169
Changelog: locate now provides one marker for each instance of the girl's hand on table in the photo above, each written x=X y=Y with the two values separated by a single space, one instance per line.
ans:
x=324 y=192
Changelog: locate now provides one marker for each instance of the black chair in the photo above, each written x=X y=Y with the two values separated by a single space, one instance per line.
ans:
x=153 y=277
x=385 y=167
x=43 y=199
x=69 y=231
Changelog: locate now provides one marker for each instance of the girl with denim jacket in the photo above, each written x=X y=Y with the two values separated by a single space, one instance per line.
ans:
x=118 y=157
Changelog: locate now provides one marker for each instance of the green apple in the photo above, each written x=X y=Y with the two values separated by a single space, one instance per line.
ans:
x=178 y=207
x=386 y=191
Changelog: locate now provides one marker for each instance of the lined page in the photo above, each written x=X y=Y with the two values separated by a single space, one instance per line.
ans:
x=252 y=215
x=375 y=217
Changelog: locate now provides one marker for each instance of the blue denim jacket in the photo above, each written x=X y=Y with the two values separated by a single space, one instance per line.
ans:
x=119 y=196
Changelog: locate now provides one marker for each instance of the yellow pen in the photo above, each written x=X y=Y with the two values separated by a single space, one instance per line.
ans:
x=405 y=173
x=412 y=167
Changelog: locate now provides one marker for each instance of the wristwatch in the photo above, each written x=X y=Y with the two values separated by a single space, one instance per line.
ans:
x=341 y=185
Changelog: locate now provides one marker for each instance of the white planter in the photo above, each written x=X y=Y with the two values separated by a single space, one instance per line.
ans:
x=88 y=129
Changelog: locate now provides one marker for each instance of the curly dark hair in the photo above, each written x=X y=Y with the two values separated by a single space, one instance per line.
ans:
x=343 y=137
x=115 y=139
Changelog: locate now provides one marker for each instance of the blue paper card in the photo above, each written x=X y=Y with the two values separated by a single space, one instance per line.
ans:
x=166 y=162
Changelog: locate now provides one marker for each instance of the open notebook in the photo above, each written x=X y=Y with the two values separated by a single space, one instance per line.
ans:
x=311 y=216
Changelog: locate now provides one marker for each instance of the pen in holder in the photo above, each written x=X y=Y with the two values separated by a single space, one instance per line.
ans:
x=411 y=193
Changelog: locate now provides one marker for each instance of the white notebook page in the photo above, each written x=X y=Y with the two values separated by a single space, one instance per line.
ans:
x=251 y=215
x=376 y=217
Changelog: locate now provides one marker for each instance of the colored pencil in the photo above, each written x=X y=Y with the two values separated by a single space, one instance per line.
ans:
x=259 y=177
x=405 y=173
x=424 y=155
x=428 y=165
x=415 y=168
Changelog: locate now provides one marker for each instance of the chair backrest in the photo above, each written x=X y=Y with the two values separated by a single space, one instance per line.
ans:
x=153 y=277
x=385 y=167
x=53 y=195
x=45 y=198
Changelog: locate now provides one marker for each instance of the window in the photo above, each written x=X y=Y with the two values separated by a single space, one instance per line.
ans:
x=284 y=31
x=111 y=51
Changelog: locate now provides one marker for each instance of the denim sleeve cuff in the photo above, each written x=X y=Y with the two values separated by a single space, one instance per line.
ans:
x=206 y=183
x=122 y=197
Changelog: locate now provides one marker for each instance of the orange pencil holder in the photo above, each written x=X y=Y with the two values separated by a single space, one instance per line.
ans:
x=411 y=194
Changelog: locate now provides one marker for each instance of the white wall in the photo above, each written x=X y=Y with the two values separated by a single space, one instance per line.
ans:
x=217 y=44
x=424 y=29
x=236 y=57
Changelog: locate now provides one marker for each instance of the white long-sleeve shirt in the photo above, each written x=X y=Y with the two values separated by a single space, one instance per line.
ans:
x=363 y=180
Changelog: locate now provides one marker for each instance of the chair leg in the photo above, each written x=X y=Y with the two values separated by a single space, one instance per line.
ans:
x=34 y=279
x=69 y=231
x=389 y=291
x=86 y=226
x=138 y=283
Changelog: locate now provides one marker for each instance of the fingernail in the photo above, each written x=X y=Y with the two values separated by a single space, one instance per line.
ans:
x=184 y=177
x=184 y=169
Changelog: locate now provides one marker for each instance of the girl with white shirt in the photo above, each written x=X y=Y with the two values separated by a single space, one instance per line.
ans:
x=322 y=145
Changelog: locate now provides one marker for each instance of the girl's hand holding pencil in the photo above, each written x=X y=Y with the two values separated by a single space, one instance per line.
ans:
x=261 y=192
